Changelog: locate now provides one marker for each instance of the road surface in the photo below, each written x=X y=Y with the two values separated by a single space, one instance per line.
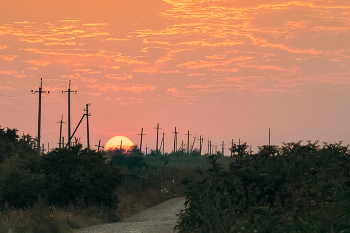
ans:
x=158 y=219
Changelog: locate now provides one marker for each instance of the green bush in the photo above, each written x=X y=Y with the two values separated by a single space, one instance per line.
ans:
x=295 y=188
x=79 y=175
x=62 y=176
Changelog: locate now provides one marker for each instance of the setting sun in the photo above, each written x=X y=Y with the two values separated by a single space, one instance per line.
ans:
x=119 y=142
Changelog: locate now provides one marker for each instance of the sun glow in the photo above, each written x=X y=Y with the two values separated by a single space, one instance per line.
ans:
x=119 y=142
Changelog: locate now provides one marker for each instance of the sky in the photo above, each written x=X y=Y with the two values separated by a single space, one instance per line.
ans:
x=220 y=69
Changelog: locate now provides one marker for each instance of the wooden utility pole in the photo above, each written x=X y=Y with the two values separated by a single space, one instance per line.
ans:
x=69 y=91
x=99 y=145
x=269 y=137
x=200 y=144
x=157 y=138
x=210 y=148
x=141 y=140
x=163 y=142
x=39 y=112
x=87 y=126
x=175 y=140
x=223 y=147
x=232 y=147
x=188 y=142
x=146 y=149
x=60 y=141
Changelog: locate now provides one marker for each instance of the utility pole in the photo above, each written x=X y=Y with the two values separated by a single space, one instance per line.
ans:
x=157 y=138
x=146 y=149
x=48 y=147
x=269 y=137
x=60 y=141
x=99 y=145
x=141 y=141
x=163 y=142
x=175 y=140
x=188 y=142
x=208 y=147
x=121 y=144
x=200 y=144
x=223 y=145
x=39 y=112
x=69 y=91
x=232 y=147
x=87 y=127
x=43 y=148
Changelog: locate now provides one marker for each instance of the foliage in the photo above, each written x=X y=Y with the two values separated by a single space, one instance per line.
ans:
x=79 y=175
x=62 y=176
x=295 y=188
x=127 y=160
x=11 y=144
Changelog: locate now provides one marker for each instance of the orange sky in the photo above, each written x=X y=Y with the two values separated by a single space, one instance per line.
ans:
x=221 y=69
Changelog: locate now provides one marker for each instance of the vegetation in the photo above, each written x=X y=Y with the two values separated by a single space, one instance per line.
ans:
x=295 y=188
x=72 y=188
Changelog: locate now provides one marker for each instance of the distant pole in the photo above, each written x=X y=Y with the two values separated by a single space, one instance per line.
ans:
x=87 y=126
x=69 y=91
x=99 y=145
x=200 y=144
x=146 y=149
x=43 y=148
x=231 y=147
x=210 y=147
x=157 y=137
x=39 y=112
x=223 y=145
x=269 y=137
x=121 y=144
x=188 y=142
x=141 y=140
x=163 y=142
x=60 y=141
x=175 y=140
x=239 y=142
x=48 y=147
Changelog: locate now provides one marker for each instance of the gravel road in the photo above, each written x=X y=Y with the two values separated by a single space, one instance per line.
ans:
x=158 y=219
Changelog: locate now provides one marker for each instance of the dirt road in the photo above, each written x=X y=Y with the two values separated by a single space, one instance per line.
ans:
x=158 y=219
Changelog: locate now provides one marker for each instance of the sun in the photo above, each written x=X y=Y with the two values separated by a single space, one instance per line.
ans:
x=118 y=142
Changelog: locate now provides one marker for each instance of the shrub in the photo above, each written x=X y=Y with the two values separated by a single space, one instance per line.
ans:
x=77 y=175
x=296 y=188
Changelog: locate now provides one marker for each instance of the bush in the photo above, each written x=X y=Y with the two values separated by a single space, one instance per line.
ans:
x=296 y=188
x=77 y=175
x=62 y=176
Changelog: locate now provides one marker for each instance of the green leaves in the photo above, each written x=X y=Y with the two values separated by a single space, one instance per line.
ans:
x=295 y=188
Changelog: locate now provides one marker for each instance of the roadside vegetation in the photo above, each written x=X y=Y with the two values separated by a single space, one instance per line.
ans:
x=293 y=188
x=67 y=189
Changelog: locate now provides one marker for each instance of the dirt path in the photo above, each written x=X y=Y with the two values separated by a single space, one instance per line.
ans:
x=161 y=218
